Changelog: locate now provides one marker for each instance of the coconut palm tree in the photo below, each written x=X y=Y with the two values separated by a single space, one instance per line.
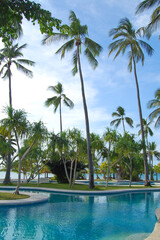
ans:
x=126 y=38
x=56 y=101
x=155 y=104
x=10 y=55
x=155 y=16
x=120 y=113
x=78 y=37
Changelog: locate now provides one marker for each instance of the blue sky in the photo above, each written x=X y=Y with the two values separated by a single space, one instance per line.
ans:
x=107 y=87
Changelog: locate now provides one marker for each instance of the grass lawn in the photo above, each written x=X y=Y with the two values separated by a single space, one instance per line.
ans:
x=76 y=186
x=11 y=196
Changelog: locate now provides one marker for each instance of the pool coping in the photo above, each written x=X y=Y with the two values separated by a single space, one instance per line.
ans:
x=33 y=199
x=81 y=192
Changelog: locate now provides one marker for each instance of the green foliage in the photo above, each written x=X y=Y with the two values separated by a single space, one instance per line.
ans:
x=126 y=39
x=120 y=113
x=155 y=104
x=77 y=36
x=155 y=16
x=12 y=13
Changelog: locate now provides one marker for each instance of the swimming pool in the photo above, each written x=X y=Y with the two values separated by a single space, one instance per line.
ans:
x=79 y=217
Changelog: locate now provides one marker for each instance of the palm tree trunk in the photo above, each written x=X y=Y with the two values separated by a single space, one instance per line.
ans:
x=91 y=170
x=20 y=165
x=131 y=170
x=147 y=183
x=108 y=170
x=150 y=165
x=123 y=125
x=7 y=179
x=10 y=87
x=60 y=112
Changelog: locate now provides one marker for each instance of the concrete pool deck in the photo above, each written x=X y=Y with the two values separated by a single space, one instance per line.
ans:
x=33 y=199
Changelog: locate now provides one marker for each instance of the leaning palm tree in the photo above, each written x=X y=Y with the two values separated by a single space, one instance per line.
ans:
x=10 y=55
x=78 y=37
x=155 y=104
x=120 y=113
x=155 y=16
x=125 y=37
x=56 y=101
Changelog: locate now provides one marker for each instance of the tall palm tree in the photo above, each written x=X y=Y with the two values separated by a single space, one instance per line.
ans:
x=10 y=55
x=125 y=37
x=78 y=37
x=56 y=101
x=155 y=16
x=155 y=104
x=120 y=113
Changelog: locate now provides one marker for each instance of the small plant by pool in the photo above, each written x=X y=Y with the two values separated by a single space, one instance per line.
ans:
x=11 y=196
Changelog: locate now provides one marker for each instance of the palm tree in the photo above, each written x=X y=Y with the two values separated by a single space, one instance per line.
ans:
x=56 y=101
x=77 y=35
x=125 y=37
x=155 y=16
x=155 y=104
x=11 y=54
x=110 y=137
x=152 y=152
x=120 y=113
x=147 y=129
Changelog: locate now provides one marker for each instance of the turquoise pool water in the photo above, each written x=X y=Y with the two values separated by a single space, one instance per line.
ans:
x=78 y=217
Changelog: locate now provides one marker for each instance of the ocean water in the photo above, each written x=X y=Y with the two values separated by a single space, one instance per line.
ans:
x=15 y=175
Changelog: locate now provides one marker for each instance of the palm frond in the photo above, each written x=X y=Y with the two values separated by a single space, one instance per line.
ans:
x=6 y=74
x=26 y=61
x=154 y=114
x=3 y=69
x=74 y=59
x=18 y=49
x=67 y=101
x=146 y=4
x=57 y=88
x=68 y=46
x=48 y=39
x=24 y=70
x=129 y=121
x=50 y=101
x=72 y=16
x=153 y=103
x=55 y=101
x=147 y=47
x=115 y=123
x=115 y=114
x=92 y=60
x=94 y=47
